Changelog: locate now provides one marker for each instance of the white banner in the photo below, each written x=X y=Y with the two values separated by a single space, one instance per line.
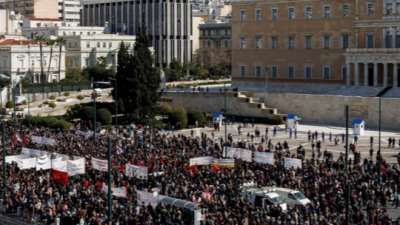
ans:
x=136 y=171
x=238 y=153
x=264 y=157
x=59 y=164
x=147 y=198
x=292 y=163
x=43 y=140
x=14 y=158
x=75 y=167
x=201 y=161
x=43 y=163
x=33 y=152
x=99 y=164
x=116 y=191
x=27 y=163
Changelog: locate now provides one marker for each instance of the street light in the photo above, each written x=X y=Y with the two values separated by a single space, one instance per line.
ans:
x=94 y=96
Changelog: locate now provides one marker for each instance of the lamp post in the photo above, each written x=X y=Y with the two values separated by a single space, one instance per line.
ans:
x=347 y=188
x=225 y=112
x=3 y=140
x=109 y=178
x=94 y=96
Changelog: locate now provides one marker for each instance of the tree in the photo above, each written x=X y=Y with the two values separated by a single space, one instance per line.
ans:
x=41 y=39
x=60 y=42
x=50 y=43
x=99 y=72
x=137 y=80
x=175 y=71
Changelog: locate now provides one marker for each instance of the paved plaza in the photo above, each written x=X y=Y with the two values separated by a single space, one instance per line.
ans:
x=363 y=144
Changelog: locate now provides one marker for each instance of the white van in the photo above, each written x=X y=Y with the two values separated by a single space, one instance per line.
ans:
x=261 y=198
x=290 y=196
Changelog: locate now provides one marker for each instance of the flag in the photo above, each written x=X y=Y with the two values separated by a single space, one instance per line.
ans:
x=26 y=140
x=59 y=177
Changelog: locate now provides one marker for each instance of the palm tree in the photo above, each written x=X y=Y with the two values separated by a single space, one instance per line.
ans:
x=41 y=39
x=50 y=42
x=60 y=42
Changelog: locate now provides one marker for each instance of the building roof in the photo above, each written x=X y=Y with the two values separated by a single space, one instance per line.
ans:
x=16 y=42
x=44 y=19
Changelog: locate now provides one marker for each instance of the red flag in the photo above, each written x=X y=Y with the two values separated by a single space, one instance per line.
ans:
x=60 y=177
x=26 y=140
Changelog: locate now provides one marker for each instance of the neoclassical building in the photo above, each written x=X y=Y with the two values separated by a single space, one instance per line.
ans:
x=329 y=43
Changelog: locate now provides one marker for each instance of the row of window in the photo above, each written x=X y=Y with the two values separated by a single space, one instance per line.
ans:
x=326 y=41
x=216 y=44
x=273 y=71
x=327 y=11
x=215 y=32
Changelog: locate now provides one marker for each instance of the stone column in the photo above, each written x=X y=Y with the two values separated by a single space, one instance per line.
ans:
x=395 y=76
x=376 y=74
x=348 y=74
x=385 y=74
x=366 y=74
x=356 y=74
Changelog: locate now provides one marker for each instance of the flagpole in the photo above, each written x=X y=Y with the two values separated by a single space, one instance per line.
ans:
x=109 y=194
x=3 y=140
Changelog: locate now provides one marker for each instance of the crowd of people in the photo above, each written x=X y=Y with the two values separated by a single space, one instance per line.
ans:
x=373 y=184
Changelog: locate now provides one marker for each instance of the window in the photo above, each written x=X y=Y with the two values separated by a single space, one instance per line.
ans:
x=258 y=41
x=291 y=72
x=345 y=41
x=370 y=9
x=326 y=41
x=110 y=44
x=242 y=71
x=104 y=44
x=344 y=72
x=388 y=9
x=226 y=44
x=274 y=42
x=274 y=72
x=369 y=39
x=308 y=12
x=346 y=10
x=208 y=43
x=307 y=72
x=388 y=40
x=291 y=13
x=308 y=41
x=258 y=15
x=274 y=13
x=87 y=44
x=327 y=11
x=242 y=15
x=242 y=42
x=326 y=72
x=257 y=71
x=291 y=42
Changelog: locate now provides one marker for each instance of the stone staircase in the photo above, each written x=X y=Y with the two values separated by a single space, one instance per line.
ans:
x=257 y=103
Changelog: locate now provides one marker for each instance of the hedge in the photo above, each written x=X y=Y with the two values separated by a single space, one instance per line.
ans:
x=104 y=116
x=50 y=121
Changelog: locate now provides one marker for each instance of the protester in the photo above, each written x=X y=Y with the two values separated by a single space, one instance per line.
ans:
x=35 y=196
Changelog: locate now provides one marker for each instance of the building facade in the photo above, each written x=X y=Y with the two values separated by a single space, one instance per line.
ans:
x=69 y=11
x=215 y=43
x=327 y=42
x=10 y=23
x=85 y=50
x=21 y=58
x=167 y=23
x=32 y=8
